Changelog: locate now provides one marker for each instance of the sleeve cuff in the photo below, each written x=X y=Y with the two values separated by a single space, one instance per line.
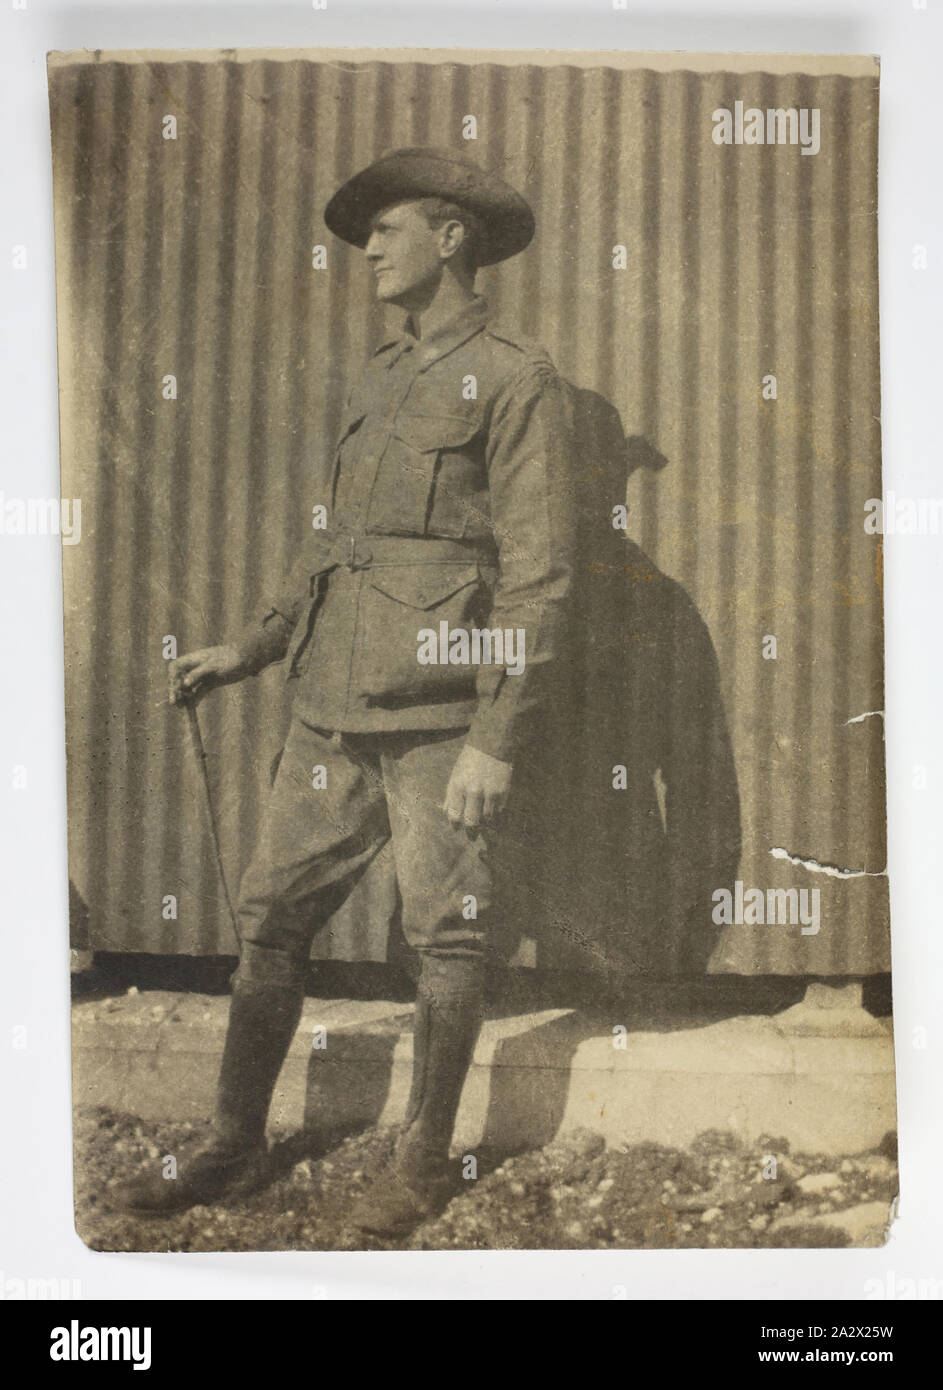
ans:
x=265 y=642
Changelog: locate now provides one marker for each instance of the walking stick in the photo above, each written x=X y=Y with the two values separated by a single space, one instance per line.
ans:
x=196 y=743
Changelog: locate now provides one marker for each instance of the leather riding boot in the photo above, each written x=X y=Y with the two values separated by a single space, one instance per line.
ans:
x=448 y=1020
x=262 y=1023
x=263 y=1019
x=418 y=1182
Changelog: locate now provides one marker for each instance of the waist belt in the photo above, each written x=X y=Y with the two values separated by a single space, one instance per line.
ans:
x=355 y=552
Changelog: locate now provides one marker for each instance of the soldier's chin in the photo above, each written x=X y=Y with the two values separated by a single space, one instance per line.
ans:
x=387 y=292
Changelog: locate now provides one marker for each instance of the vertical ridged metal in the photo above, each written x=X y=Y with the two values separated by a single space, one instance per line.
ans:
x=192 y=257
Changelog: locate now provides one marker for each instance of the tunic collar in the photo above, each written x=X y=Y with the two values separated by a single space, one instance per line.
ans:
x=444 y=339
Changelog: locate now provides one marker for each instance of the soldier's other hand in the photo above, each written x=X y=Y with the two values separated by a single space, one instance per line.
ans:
x=478 y=789
x=195 y=673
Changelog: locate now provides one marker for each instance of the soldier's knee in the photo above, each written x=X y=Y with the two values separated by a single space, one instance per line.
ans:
x=269 y=965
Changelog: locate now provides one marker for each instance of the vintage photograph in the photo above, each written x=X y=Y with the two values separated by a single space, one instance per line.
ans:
x=472 y=563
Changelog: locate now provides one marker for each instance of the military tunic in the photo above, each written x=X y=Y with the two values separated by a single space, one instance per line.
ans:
x=450 y=502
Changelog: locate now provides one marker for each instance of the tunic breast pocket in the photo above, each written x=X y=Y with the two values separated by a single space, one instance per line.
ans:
x=395 y=607
x=431 y=479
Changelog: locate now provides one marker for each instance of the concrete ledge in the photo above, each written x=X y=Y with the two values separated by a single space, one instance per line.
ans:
x=822 y=1077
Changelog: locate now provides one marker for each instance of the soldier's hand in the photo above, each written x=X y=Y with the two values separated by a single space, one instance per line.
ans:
x=477 y=790
x=192 y=675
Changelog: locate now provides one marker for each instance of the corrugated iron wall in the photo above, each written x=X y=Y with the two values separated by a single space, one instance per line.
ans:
x=192 y=257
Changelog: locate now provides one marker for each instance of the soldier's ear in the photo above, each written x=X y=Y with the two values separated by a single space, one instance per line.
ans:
x=451 y=237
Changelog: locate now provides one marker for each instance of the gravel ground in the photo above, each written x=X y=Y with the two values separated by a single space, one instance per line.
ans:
x=572 y=1194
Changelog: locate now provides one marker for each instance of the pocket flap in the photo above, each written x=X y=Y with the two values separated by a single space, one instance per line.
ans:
x=428 y=432
x=426 y=585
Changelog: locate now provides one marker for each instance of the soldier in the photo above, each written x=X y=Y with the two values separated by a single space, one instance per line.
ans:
x=450 y=506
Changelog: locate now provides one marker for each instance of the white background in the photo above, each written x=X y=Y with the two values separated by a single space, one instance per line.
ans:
x=37 y=1239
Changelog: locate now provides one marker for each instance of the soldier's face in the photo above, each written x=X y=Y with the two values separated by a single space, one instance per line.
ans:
x=405 y=254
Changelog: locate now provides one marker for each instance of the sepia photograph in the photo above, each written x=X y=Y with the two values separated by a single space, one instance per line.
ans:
x=472 y=534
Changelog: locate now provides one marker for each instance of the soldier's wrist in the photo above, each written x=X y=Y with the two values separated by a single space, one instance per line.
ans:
x=261 y=645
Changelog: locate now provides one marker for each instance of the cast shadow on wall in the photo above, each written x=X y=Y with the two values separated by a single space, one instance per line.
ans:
x=625 y=815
